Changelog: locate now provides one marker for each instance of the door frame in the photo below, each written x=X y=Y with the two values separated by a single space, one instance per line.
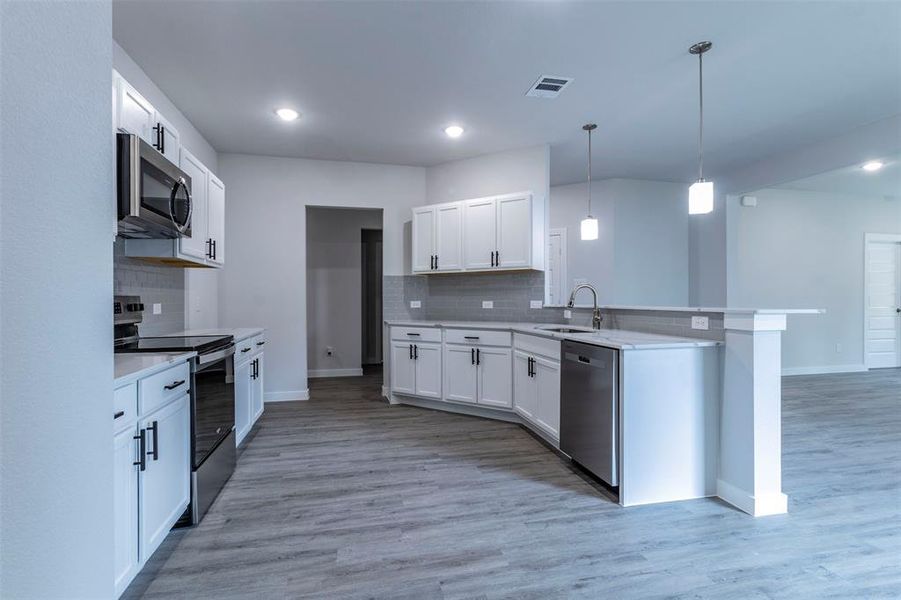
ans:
x=872 y=238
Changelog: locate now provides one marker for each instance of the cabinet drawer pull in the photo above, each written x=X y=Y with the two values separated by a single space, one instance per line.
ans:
x=260 y=343
x=414 y=334
x=118 y=414
x=470 y=337
x=243 y=350
x=478 y=357
x=472 y=355
x=156 y=440
x=174 y=384
x=142 y=450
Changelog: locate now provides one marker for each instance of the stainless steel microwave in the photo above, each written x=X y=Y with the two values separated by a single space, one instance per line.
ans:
x=153 y=195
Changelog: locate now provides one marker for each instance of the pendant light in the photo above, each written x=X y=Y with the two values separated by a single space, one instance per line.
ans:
x=700 y=194
x=589 y=223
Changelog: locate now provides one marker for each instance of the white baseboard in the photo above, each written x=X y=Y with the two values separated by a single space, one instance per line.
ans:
x=286 y=396
x=384 y=391
x=823 y=370
x=358 y=372
x=758 y=506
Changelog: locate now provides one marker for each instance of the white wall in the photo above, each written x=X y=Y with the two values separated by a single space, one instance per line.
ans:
x=641 y=254
x=334 y=288
x=201 y=285
x=264 y=280
x=801 y=249
x=491 y=174
x=57 y=217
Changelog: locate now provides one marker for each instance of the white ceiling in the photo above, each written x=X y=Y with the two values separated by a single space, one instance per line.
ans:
x=854 y=181
x=378 y=81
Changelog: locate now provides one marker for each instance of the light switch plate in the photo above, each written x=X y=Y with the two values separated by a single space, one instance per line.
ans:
x=487 y=304
x=700 y=323
x=157 y=308
x=415 y=304
x=535 y=304
x=567 y=314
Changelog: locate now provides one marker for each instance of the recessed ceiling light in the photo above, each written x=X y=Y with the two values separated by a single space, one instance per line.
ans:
x=873 y=165
x=454 y=131
x=287 y=114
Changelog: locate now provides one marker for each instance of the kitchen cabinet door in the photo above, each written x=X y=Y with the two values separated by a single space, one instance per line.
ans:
x=423 y=239
x=525 y=397
x=166 y=139
x=403 y=368
x=460 y=374
x=514 y=231
x=136 y=115
x=449 y=237
x=427 y=359
x=125 y=508
x=257 y=395
x=243 y=400
x=197 y=245
x=547 y=377
x=495 y=377
x=165 y=485
x=479 y=233
x=216 y=219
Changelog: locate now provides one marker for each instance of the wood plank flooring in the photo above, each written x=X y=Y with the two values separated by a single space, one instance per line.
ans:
x=345 y=497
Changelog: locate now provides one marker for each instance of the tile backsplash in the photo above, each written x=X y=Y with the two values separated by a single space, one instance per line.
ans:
x=155 y=285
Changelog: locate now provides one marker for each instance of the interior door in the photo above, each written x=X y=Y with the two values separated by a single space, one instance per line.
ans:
x=165 y=487
x=423 y=238
x=479 y=233
x=197 y=244
x=460 y=382
x=449 y=237
x=403 y=368
x=216 y=218
x=883 y=305
x=427 y=361
x=514 y=231
x=524 y=394
x=495 y=377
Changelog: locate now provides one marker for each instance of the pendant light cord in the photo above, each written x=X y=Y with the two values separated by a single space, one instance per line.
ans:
x=589 y=172
x=701 y=117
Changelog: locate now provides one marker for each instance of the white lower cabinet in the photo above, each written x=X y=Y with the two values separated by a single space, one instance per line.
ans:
x=478 y=374
x=152 y=470
x=248 y=386
x=536 y=384
x=461 y=382
x=415 y=362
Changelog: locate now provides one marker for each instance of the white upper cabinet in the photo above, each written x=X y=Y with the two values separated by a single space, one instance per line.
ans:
x=482 y=234
x=166 y=139
x=424 y=224
x=198 y=245
x=479 y=235
x=135 y=114
x=216 y=219
x=449 y=237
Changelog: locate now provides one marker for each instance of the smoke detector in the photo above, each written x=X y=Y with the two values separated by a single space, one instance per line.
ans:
x=548 y=86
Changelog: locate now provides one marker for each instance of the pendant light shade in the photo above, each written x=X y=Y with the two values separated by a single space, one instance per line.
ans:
x=589 y=228
x=700 y=194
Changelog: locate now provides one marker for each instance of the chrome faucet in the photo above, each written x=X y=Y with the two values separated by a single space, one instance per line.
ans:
x=596 y=312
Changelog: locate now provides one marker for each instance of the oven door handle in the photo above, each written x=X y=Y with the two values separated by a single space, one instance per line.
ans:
x=204 y=359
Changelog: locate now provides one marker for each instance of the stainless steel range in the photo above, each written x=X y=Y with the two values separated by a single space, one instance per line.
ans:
x=212 y=400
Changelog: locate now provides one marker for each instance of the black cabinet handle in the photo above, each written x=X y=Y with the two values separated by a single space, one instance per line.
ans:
x=261 y=343
x=243 y=350
x=214 y=249
x=411 y=351
x=256 y=368
x=156 y=440
x=415 y=352
x=413 y=334
x=492 y=258
x=472 y=355
x=478 y=357
x=174 y=384
x=497 y=258
x=118 y=414
x=436 y=261
x=209 y=248
x=470 y=337
x=142 y=450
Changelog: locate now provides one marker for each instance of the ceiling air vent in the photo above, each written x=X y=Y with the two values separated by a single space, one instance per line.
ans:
x=548 y=86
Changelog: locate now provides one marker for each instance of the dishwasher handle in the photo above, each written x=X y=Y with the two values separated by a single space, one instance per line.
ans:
x=597 y=363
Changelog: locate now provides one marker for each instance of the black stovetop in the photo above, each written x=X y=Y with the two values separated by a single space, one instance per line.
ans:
x=201 y=344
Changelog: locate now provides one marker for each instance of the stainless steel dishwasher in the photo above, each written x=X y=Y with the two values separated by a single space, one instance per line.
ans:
x=588 y=408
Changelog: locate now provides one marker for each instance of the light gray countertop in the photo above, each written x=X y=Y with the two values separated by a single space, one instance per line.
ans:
x=240 y=333
x=131 y=366
x=621 y=339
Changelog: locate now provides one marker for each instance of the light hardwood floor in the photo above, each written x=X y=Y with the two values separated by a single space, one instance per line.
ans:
x=345 y=497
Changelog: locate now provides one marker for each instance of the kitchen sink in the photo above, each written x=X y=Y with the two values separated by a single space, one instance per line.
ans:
x=556 y=329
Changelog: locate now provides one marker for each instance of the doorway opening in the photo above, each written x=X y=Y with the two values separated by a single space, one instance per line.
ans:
x=344 y=292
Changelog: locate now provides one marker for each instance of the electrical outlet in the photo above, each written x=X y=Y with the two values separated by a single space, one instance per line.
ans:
x=487 y=304
x=700 y=323
x=415 y=304
x=567 y=314
x=535 y=304
x=157 y=308
x=329 y=350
